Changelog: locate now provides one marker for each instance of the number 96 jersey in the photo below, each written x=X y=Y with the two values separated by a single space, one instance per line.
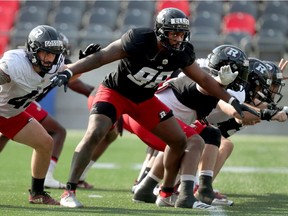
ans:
x=26 y=85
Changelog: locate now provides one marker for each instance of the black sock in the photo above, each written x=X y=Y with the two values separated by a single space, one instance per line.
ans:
x=186 y=187
x=205 y=183
x=71 y=186
x=37 y=185
x=144 y=174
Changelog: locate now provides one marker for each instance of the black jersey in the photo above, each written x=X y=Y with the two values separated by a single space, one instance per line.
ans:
x=138 y=76
x=186 y=92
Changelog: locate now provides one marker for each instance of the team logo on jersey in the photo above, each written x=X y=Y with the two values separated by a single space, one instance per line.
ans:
x=165 y=61
x=4 y=66
x=162 y=114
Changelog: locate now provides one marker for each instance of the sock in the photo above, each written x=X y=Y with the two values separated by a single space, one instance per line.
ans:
x=186 y=187
x=146 y=171
x=166 y=191
x=187 y=178
x=206 y=173
x=205 y=184
x=149 y=183
x=71 y=186
x=84 y=174
x=37 y=185
x=51 y=168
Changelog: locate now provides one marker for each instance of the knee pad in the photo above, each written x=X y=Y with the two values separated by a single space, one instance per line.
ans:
x=211 y=135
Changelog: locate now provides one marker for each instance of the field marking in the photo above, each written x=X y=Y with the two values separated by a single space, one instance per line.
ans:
x=229 y=169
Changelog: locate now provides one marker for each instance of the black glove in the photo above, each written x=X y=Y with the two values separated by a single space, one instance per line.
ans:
x=241 y=107
x=62 y=78
x=267 y=114
x=237 y=106
x=90 y=49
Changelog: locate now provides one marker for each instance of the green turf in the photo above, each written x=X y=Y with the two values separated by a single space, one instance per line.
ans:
x=255 y=193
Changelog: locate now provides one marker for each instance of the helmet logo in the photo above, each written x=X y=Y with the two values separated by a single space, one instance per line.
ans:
x=260 y=67
x=165 y=61
x=232 y=52
x=37 y=33
x=183 y=21
x=53 y=43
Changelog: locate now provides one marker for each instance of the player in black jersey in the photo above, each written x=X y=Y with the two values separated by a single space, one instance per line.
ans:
x=147 y=57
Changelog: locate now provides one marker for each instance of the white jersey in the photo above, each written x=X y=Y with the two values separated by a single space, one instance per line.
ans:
x=217 y=115
x=26 y=85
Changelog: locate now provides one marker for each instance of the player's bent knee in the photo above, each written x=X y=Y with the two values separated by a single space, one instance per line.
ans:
x=211 y=135
x=195 y=143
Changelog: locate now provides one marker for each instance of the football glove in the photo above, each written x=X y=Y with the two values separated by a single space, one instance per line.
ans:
x=90 y=49
x=225 y=75
x=62 y=78
x=267 y=114
x=241 y=107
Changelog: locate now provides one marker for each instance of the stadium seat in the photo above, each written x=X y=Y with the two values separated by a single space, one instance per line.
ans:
x=136 y=18
x=31 y=14
x=19 y=33
x=183 y=5
x=270 y=45
x=112 y=5
x=47 y=5
x=7 y=20
x=211 y=6
x=273 y=21
x=206 y=19
x=100 y=34
x=204 y=43
x=100 y=16
x=68 y=15
x=148 y=6
x=243 y=40
x=80 y=5
x=239 y=22
x=249 y=7
x=275 y=7
x=4 y=41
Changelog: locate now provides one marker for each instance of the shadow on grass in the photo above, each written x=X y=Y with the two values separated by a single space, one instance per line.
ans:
x=95 y=210
x=265 y=204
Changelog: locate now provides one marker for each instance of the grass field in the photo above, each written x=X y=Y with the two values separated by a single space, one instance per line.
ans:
x=255 y=178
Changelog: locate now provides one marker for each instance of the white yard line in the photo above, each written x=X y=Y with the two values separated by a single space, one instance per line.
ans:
x=236 y=169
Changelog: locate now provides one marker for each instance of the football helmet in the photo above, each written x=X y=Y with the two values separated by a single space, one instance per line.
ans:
x=236 y=58
x=43 y=38
x=259 y=81
x=172 y=19
x=277 y=81
x=66 y=45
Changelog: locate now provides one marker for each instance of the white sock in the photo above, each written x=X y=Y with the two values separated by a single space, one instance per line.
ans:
x=51 y=168
x=187 y=178
x=206 y=173
x=84 y=174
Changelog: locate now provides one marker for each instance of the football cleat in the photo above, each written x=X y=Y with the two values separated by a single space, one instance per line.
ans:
x=42 y=198
x=213 y=199
x=68 y=199
x=167 y=201
x=201 y=205
x=84 y=185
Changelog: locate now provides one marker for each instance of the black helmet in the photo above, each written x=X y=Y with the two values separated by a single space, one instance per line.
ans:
x=277 y=81
x=172 y=19
x=236 y=58
x=66 y=45
x=44 y=38
x=259 y=81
